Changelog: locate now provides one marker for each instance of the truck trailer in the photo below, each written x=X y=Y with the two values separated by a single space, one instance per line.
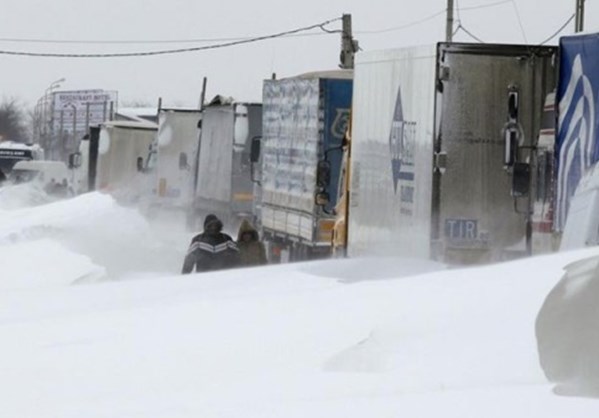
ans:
x=174 y=151
x=305 y=119
x=443 y=150
x=577 y=142
x=115 y=159
x=222 y=178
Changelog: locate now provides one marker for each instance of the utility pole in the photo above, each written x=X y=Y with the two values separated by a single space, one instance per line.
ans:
x=449 y=24
x=579 y=16
x=349 y=46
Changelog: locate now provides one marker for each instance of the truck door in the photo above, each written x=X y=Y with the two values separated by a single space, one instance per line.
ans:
x=483 y=90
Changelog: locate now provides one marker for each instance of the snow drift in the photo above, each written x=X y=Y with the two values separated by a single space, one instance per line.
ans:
x=567 y=330
x=93 y=224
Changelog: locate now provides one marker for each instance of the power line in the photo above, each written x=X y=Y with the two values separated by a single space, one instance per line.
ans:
x=484 y=6
x=520 y=21
x=173 y=51
x=476 y=38
x=407 y=25
x=559 y=30
x=144 y=41
x=458 y=9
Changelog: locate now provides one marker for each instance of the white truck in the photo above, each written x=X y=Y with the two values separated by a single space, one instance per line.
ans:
x=443 y=150
x=115 y=159
x=174 y=151
x=222 y=177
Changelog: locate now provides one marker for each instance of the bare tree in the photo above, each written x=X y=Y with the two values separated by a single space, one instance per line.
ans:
x=13 y=120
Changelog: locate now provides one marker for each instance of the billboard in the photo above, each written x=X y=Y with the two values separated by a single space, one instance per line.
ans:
x=576 y=142
x=76 y=110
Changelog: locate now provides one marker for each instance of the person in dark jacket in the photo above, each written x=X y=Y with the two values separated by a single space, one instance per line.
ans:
x=251 y=249
x=211 y=250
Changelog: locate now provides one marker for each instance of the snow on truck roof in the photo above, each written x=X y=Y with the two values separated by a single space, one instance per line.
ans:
x=39 y=165
x=335 y=74
x=18 y=145
x=146 y=125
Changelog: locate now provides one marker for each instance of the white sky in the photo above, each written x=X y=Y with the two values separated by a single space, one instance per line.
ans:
x=236 y=71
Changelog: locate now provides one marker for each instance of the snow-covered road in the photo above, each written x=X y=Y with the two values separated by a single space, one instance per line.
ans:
x=343 y=338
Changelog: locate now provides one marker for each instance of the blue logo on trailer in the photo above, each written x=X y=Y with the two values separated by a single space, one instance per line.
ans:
x=401 y=145
x=577 y=147
x=337 y=101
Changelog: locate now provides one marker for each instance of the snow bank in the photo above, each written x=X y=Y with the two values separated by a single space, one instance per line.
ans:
x=373 y=268
x=21 y=196
x=279 y=341
x=93 y=224
x=568 y=331
x=43 y=263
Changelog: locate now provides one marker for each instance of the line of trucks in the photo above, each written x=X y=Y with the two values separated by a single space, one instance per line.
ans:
x=463 y=153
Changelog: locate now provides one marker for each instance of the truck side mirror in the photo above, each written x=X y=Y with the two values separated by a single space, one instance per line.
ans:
x=322 y=199
x=183 y=165
x=75 y=160
x=521 y=180
x=323 y=174
x=140 y=164
x=255 y=149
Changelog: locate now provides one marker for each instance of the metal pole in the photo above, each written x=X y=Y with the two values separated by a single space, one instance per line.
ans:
x=86 y=117
x=203 y=94
x=72 y=144
x=449 y=24
x=579 y=27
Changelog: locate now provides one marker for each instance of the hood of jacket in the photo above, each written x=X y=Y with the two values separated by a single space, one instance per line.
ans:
x=247 y=227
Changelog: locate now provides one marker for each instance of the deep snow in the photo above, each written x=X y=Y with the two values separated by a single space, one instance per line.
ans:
x=352 y=338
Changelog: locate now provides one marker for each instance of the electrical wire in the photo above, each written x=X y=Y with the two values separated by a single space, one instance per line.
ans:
x=559 y=30
x=484 y=6
x=476 y=38
x=407 y=25
x=520 y=21
x=145 y=41
x=172 y=51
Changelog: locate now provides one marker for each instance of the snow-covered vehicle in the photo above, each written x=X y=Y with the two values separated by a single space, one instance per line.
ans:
x=52 y=176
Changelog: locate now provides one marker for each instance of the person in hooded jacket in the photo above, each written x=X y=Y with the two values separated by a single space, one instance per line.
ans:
x=251 y=249
x=211 y=250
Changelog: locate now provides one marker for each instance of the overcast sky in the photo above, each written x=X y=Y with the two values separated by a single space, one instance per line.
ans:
x=236 y=71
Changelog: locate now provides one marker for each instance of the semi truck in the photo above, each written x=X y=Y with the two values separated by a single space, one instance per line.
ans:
x=443 y=151
x=114 y=158
x=222 y=178
x=174 y=150
x=304 y=121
